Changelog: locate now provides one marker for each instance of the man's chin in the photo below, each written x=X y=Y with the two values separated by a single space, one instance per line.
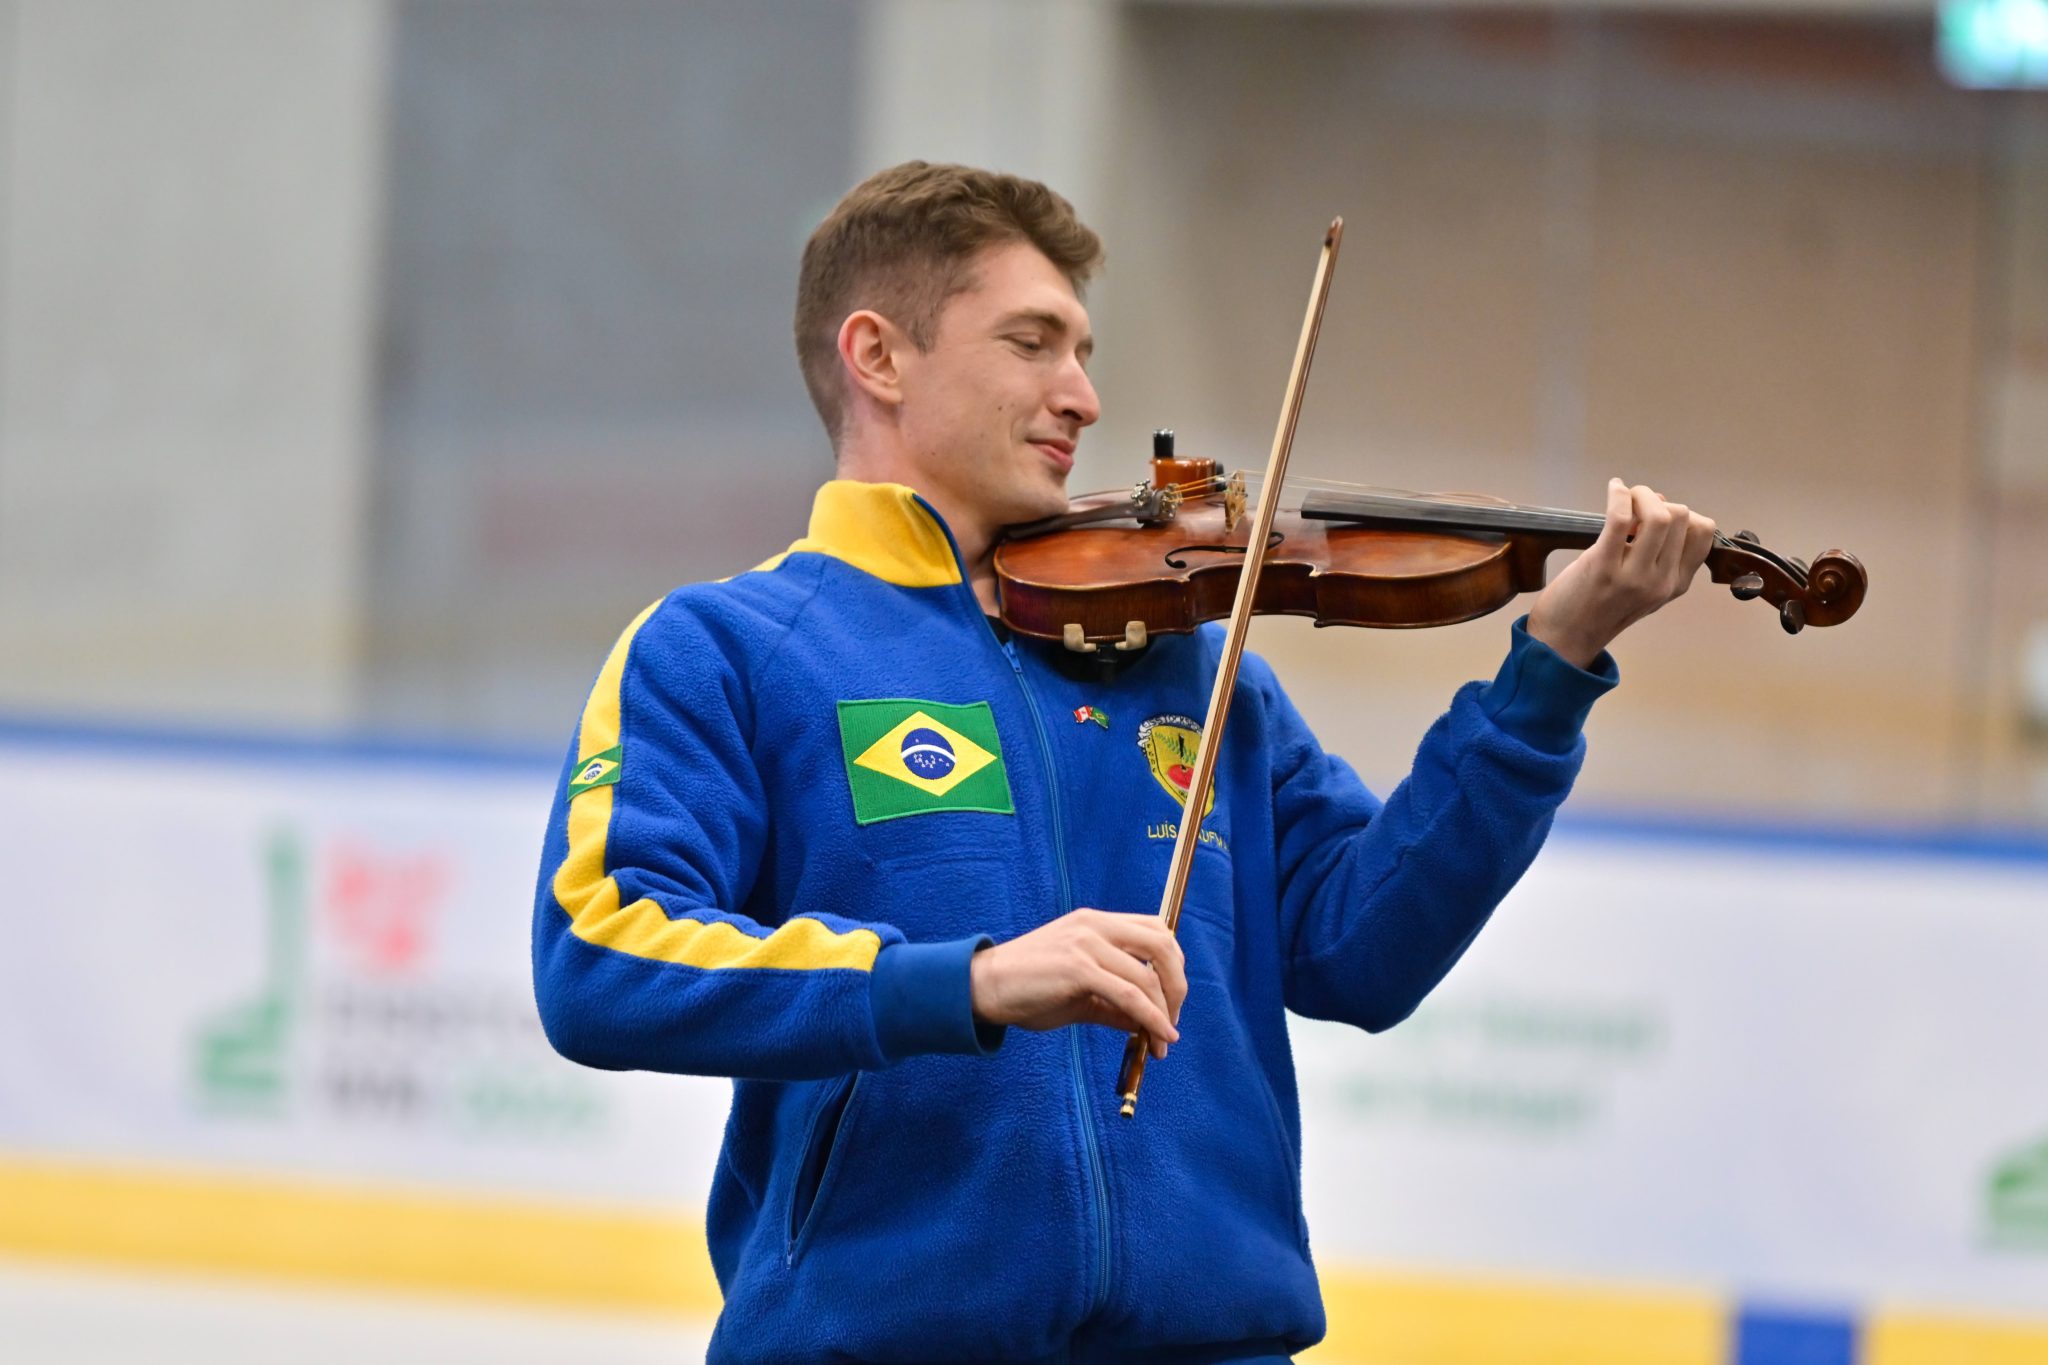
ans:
x=1045 y=501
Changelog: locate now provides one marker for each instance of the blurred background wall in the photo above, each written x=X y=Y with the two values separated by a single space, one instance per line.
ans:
x=365 y=366
x=193 y=203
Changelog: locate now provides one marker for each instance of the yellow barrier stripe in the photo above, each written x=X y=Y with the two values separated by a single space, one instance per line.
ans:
x=589 y=894
x=186 y=1220
x=1391 y=1317
x=1900 y=1338
x=386 y=1239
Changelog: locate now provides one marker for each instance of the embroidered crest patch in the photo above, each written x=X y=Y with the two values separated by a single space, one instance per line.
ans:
x=599 y=770
x=909 y=757
x=1169 y=743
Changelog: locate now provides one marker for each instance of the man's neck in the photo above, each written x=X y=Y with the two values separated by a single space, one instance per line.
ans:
x=977 y=543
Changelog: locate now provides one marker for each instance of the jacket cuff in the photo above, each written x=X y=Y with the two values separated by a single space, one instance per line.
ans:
x=924 y=1001
x=1540 y=697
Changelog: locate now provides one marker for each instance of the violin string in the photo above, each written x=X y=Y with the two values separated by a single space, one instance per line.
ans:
x=1509 y=515
x=1558 y=517
x=1341 y=486
x=1502 y=516
x=1440 y=500
x=1216 y=483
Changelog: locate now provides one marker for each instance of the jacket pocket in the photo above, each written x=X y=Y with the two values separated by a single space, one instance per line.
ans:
x=818 y=1161
x=1209 y=1176
x=1285 y=1146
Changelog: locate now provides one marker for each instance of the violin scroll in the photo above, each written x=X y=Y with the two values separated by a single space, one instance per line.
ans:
x=1826 y=593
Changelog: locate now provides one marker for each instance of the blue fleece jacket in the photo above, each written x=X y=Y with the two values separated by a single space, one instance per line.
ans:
x=800 y=799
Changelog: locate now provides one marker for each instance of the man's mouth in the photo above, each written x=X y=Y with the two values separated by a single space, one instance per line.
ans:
x=1059 y=451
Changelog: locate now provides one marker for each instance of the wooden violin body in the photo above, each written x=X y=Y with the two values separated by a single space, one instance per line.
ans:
x=1176 y=575
x=1167 y=557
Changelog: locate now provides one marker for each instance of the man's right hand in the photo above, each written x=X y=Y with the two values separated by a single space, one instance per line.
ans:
x=1086 y=967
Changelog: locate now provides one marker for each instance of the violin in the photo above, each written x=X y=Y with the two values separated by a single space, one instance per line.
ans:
x=1165 y=556
x=1180 y=549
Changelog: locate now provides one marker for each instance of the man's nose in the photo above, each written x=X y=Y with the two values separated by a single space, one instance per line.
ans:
x=1077 y=400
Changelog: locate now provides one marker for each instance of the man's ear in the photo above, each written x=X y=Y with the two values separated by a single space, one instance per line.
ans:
x=871 y=348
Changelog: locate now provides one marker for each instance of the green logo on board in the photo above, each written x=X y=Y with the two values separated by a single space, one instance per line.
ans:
x=242 y=1054
x=908 y=757
x=2016 y=1199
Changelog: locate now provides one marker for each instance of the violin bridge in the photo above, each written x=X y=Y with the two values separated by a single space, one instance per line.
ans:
x=1233 y=501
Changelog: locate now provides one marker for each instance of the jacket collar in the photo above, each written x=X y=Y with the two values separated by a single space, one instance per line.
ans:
x=884 y=529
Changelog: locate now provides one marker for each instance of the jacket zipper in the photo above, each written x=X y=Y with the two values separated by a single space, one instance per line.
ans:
x=1059 y=846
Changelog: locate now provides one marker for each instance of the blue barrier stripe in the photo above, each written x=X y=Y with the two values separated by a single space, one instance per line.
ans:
x=287 y=749
x=1767 y=1335
x=1982 y=843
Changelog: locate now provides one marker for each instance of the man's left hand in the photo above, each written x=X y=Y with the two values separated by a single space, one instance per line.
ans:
x=1646 y=554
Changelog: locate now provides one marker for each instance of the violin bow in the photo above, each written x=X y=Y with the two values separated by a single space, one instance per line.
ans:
x=1132 y=1073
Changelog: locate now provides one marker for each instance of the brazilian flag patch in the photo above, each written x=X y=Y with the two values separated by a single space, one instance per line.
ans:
x=907 y=757
x=599 y=770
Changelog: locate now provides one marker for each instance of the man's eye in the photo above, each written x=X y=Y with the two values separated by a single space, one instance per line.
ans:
x=1029 y=345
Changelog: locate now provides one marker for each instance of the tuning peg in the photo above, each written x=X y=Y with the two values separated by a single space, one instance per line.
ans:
x=1792 y=616
x=1748 y=586
x=1749 y=536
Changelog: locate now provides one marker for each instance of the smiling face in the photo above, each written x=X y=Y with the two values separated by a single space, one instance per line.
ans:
x=990 y=414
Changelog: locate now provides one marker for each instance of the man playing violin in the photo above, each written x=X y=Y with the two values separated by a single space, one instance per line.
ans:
x=829 y=829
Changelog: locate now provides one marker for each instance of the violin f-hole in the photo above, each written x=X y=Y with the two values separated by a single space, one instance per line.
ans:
x=1273 y=538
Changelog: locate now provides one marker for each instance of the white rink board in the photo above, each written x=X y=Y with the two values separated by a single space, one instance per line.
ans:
x=1765 y=1071
x=356 y=933
x=1810 y=1071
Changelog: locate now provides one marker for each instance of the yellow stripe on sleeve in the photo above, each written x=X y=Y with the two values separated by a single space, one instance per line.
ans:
x=590 y=895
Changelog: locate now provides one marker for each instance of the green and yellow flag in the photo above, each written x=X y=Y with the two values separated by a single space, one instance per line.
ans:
x=599 y=770
x=908 y=757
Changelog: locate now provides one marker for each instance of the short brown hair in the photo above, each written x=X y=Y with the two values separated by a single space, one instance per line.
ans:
x=899 y=243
